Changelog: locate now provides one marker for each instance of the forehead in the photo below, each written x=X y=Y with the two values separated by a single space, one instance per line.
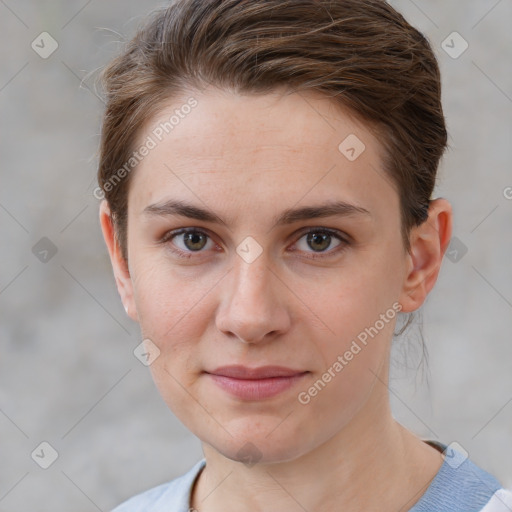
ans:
x=253 y=145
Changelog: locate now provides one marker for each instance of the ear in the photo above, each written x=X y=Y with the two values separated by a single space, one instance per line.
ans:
x=429 y=242
x=119 y=264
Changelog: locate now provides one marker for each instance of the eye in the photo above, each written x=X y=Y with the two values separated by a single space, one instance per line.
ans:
x=319 y=240
x=315 y=241
x=188 y=241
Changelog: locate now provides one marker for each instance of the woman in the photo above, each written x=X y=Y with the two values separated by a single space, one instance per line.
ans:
x=268 y=169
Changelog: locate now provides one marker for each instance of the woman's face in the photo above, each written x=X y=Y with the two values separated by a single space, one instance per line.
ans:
x=248 y=177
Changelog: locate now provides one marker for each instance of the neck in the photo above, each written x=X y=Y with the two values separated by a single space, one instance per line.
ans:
x=372 y=463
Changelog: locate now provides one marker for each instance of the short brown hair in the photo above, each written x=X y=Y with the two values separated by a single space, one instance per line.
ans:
x=360 y=53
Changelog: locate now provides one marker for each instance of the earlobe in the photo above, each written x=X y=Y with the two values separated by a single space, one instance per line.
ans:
x=428 y=244
x=119 y=264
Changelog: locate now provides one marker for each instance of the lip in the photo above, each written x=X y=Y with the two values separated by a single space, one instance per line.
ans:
x=255 y=383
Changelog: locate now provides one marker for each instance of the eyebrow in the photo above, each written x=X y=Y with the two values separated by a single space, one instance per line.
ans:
x=288 y=216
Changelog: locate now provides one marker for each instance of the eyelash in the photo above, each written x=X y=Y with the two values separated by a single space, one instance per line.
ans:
x=168 y=237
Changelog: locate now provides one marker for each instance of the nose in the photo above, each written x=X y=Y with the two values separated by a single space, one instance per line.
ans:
x=253 y=308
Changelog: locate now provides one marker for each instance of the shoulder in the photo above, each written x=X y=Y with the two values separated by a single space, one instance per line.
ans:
x=173 y=495
x=462 y=486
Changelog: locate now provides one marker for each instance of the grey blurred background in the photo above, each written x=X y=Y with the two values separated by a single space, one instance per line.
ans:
x=68 y=376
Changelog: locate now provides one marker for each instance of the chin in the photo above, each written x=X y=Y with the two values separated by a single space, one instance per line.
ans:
x=264 y=446
x=251 y=453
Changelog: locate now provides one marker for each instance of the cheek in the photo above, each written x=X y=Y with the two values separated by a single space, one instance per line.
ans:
x=349 y=372
x=169 y=301
x=356 y=298
x=360 y=309
x=175 y=308
x=173 y=313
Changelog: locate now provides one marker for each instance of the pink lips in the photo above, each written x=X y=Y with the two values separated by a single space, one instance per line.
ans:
x=255 y=383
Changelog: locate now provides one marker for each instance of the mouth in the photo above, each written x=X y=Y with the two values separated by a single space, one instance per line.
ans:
x=255 y=383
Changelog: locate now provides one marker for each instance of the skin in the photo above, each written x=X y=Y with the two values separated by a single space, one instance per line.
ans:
x=247 y=159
